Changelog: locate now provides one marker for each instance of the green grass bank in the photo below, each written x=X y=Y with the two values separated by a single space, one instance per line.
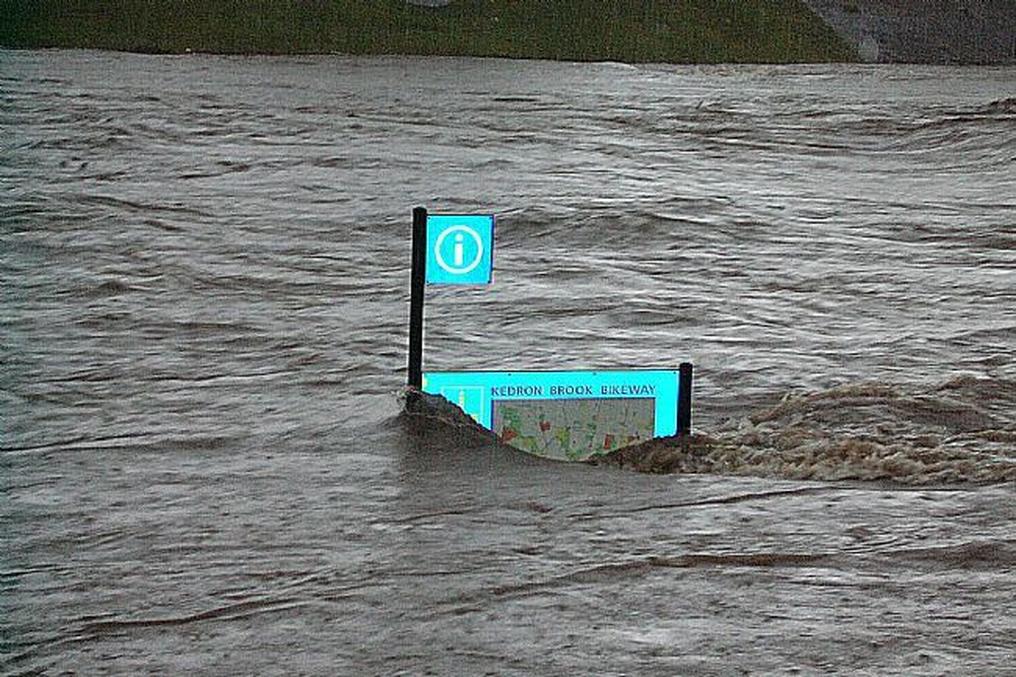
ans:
x=676 y=31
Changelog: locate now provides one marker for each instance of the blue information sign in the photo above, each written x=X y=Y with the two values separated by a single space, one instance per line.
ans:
x=565 y=414
x=460 y=249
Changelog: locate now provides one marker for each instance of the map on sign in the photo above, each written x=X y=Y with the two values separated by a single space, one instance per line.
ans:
x=566 y=415
x=573 y=429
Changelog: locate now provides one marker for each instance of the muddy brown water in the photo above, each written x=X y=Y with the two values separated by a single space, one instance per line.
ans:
x=204 y=466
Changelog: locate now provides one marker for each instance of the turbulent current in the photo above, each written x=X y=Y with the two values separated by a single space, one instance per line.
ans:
x=206 y=464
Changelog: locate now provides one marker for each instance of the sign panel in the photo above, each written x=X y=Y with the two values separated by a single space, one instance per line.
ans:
x=460 y=249
x=565 y=414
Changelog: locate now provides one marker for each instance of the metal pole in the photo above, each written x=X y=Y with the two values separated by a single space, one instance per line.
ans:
x=418 y=276
x=684 y=399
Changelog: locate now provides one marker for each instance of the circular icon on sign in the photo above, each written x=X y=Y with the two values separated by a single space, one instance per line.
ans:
x=458 y=264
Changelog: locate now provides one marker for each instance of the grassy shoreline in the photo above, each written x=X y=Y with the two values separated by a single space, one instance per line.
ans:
x=675 y=31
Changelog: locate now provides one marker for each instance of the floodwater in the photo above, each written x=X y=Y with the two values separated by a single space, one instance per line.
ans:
x=203 y=464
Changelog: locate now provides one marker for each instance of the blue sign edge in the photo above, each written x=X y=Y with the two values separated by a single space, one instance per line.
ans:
x=664 y=425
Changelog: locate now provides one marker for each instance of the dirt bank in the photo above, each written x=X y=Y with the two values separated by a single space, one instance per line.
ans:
x=925 y=31
x=691 y=31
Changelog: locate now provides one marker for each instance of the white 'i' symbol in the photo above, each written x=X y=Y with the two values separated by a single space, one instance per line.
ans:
x=459 y=255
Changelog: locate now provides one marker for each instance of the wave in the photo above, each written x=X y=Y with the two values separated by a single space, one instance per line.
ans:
x=1006 y=105
x=960 y=432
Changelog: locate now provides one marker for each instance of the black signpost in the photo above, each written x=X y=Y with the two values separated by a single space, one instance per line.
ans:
x=684 y=399
x=416 y=289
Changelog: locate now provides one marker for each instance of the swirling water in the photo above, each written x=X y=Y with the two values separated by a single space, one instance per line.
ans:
x=204 y=299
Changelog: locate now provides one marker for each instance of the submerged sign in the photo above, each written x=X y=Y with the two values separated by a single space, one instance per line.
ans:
x=566 y=414
x=460 y=249
x=558 y=414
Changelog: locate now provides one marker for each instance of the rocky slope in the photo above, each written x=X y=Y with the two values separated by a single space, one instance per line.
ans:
x=925 y=31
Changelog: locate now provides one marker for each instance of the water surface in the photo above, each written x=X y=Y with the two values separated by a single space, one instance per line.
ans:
x=204 y=300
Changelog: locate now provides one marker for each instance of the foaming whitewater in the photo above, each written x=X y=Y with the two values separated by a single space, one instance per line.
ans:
x=203 y=308
x=959 y=432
